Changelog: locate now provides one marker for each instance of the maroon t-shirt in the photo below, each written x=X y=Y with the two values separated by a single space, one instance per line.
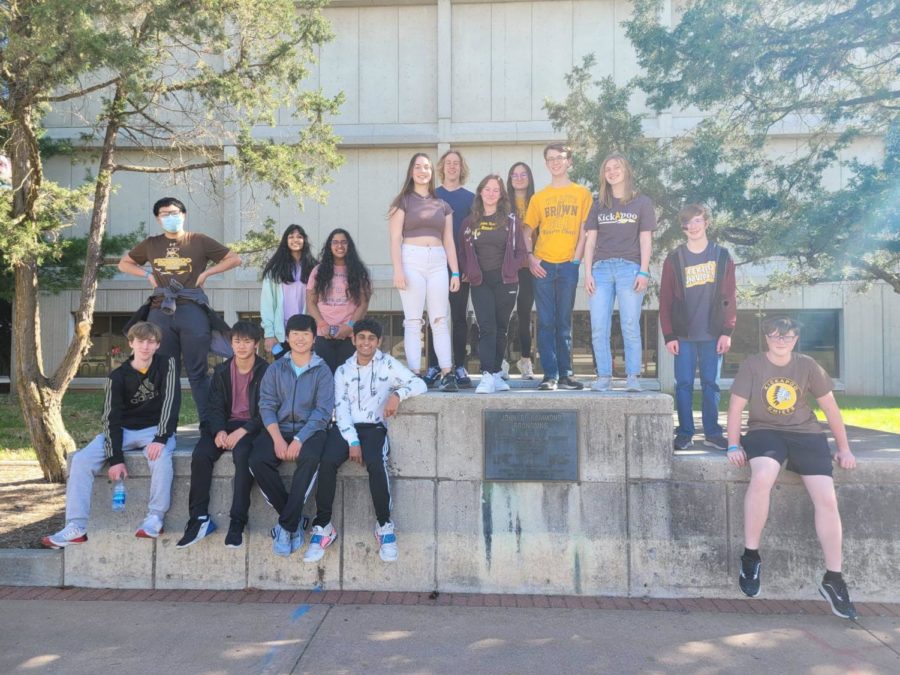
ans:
x=240 y=394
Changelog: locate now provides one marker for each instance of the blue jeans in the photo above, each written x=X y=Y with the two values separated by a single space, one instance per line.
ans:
x=614 y=279
x=554 y=298
x=689 y=354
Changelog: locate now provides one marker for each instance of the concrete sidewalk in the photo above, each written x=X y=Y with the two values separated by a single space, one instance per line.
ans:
x=60 y=636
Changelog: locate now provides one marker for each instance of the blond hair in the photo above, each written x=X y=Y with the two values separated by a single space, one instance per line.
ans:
x=606 y=195
x=463 y=170
x=144 y=330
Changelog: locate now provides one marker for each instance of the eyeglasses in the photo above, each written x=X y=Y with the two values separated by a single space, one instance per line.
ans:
x=775 y=337
x=339 y=243
x=519 y=176
x=174 y=212
x=553 y=159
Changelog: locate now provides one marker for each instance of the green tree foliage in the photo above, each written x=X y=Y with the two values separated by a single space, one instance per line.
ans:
x=193 y=85
x=820 y=74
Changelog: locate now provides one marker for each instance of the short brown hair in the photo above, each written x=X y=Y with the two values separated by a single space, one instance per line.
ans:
x=144 y=330
x=781 y=325
x=691 y=211
x=463 y=169
x=559 y=147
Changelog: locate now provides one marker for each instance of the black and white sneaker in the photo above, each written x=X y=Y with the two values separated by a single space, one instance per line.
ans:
x=717 y=442
x=462 y=377
x=547 y=384
x=195 y=530
x=749 y=579
x=235 y=536
x=835 y=592
x=431 y=376
x=683 y=441
x=566 y=382
x=448 y=383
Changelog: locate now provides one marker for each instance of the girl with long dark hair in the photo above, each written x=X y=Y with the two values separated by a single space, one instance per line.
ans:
x=492 y=253
x=422 y=248
x=337 y=296
x=520 y=188
x=284 y=282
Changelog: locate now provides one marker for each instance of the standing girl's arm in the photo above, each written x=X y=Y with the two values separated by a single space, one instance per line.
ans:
x=645 y=239
x=590 y=241
x=395 y=230
x=450 y=250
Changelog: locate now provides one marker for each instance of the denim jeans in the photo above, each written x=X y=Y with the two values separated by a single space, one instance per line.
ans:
x=554 y=297
x=614 y=279
x=689 y=354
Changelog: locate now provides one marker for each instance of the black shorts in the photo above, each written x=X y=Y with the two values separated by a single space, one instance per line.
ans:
x=806 y=454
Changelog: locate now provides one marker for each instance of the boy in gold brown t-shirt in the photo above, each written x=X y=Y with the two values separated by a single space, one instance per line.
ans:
x=781 y=426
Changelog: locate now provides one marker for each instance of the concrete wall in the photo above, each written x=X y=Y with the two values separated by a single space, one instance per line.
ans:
x=638 y=521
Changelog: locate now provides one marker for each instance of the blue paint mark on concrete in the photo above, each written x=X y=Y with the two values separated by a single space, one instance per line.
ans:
x=299 y=612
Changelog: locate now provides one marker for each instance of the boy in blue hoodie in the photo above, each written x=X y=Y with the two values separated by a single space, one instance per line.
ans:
x=296 y=399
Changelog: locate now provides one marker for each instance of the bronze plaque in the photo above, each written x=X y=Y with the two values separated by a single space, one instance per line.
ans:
x=531 y=445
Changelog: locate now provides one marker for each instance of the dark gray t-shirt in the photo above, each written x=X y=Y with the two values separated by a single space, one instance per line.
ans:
x=618 y=227
x=490 y=242
x=699 y=288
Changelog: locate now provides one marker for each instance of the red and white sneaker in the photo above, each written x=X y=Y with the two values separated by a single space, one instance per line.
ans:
x=151 y=528
x=70 y=534
x=322 y=538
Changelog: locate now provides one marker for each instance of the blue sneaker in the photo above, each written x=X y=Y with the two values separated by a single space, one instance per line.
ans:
x=297 y=539
x=281 y=541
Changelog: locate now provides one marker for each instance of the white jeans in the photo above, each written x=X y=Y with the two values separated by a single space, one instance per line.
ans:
x=427 y=285
x=87 y=462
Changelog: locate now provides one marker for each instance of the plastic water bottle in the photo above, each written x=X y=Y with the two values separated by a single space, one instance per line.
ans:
x=118 y=500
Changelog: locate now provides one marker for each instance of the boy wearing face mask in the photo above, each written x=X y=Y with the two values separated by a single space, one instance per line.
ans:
x=177 y=270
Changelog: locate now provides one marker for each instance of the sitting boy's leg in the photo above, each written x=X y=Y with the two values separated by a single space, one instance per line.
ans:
x=302 y=482
x=243 y=480
x=84 y=466
x=161 y=473
x=203 y=459
x=375 y=449
x=763 y=474
x=264 y=468
x=828 y=518
x=334 y=453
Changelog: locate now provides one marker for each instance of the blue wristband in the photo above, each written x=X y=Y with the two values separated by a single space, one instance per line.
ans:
x=576 y=261
x=350 y=323
x=454 y=274
x=354 y=443
x=644 y=274
x=733 y=447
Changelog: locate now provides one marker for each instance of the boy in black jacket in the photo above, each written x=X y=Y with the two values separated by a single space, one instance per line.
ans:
x=142 y=397
x=234 y=422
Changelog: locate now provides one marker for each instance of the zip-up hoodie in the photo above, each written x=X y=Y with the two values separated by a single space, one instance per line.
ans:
x=219 y=406
x=136 y=400
x=514 y=258
x=672 y=313
x=361 y=391
x=300 y=405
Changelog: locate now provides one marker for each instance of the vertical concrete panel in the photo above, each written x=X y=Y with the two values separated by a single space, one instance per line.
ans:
x=130 y=207
x=479 y=159
x=341 y=210
x=595 y=29
x=649 y=443
x=511 y=60
x=551 y=34
x=863 y=338
x=377 y=186
x=379 y=65
x=471 y=63
x=413 y=445
x=418 y=64
x=339 y=65
x=413 y=516
x=625 y=58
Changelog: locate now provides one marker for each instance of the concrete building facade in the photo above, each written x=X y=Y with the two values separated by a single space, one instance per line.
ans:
x=427 y=76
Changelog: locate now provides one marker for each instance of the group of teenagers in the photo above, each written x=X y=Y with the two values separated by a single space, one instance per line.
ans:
x=329 y=391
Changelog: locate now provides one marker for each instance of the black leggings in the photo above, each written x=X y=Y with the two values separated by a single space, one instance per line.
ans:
x=524 y=304
x=494 y=302
x=334 y=352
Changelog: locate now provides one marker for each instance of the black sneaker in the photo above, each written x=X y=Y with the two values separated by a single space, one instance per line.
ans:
x=547 y=384
x=683 y=441
x=195 y=530
x=462 y=377
x=431 y=376
x=448 y=383
x=835 y=592
x=566 y=382
x=749 y=579
x=717 y=442
x=235 y=536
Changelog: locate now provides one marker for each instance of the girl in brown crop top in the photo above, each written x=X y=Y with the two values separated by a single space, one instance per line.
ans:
x=418 y=223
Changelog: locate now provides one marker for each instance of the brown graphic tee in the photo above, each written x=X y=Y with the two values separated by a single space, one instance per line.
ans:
x=777 y=394
x=183 y=259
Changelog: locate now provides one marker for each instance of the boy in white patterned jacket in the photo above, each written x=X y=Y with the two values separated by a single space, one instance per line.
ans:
x=368 y=389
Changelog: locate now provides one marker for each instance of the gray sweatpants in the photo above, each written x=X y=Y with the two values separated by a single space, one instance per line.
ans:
x=87 y=462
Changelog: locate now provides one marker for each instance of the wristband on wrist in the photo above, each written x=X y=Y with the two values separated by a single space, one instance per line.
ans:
x=576 y=261
x=148 y=274
x=454 y=274
x=350 y=323
x=354 y=443
x=642 y=273
x=731 y=448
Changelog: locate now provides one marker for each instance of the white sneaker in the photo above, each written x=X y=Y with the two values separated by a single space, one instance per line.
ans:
x=499 y=383
x=504 y=369
x=632 y=384
x=322 y=538
x=486 y=386
x=70 y=534
x=387 y=541
x=602 y=384
x=151 y=528
x=526 y=369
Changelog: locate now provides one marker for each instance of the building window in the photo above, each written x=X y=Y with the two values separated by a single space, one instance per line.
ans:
x=820 y=338
x=109 y=346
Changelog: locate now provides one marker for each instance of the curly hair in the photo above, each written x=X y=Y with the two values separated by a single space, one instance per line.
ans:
x=280 y=268
x=359 y=285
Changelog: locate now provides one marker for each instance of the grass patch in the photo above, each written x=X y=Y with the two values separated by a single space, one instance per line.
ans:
x=81 y=413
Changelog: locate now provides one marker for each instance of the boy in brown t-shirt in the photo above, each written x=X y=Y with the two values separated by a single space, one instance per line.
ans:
x=781 y=426
x=178 y=263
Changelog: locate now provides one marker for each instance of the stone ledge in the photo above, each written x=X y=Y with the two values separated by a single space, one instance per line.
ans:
x=31 y=567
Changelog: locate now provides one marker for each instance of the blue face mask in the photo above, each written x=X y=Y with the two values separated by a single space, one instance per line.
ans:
x=173 y=223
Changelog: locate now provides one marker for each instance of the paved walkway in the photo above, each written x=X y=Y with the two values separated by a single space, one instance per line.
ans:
x=85 y=630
